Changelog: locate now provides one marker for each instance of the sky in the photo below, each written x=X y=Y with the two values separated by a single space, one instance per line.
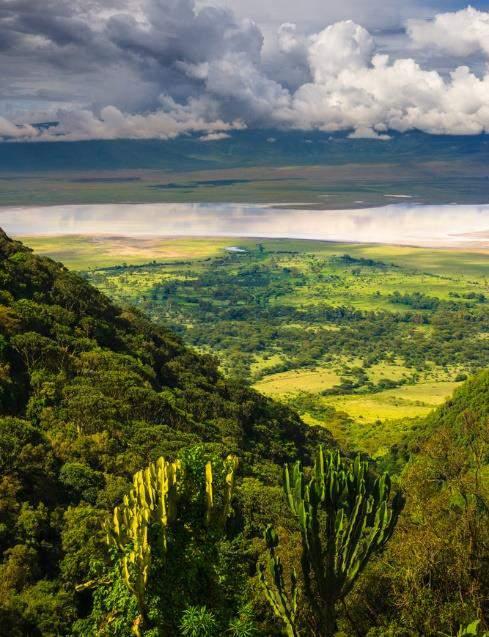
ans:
x=108 y=69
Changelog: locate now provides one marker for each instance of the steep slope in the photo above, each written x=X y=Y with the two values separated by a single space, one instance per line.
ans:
x=88 y=395
x=471 y=400
x=437 y=564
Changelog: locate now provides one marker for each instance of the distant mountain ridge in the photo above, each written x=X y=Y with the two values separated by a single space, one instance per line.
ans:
x=241 y=149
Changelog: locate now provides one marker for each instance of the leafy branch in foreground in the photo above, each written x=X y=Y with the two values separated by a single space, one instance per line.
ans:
x=345 y=516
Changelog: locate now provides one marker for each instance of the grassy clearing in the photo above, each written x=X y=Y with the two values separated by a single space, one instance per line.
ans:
x=262 y=364
x=374 y=438
x=391 y=371
x=407 y=401
x=374 y=423
x=430 y=394
x=81 y=252
x=297 y=380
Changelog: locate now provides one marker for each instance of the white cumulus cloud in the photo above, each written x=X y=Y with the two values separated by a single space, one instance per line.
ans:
x=344 y=45
x=215 y=76
x=214 y=137
x=356 y=88
x=13 y=131
x=460 y=33
x=77 y=125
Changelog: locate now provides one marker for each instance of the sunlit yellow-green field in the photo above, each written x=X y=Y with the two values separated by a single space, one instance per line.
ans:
x=315 y=380
x=86 y=252
x=407 y=401
x=80 y=252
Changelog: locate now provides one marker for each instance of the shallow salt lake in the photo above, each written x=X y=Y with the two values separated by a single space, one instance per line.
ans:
x=400 y=223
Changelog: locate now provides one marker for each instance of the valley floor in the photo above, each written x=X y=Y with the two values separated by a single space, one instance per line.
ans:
x=363 y=339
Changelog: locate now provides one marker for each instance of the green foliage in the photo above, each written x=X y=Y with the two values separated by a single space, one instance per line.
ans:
x=445 y=524
x=32 y=525
x=90 y=394
x=113 y=611
x=471 y=629
x=166 y=495
x=243 y=625
x=47 y=608
x=345 y=516
x=16 y=436
x=81 y=480
x=470 y=397
x=198 y=622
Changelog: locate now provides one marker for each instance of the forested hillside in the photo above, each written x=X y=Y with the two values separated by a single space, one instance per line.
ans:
x=436 y=569
x=90 y=394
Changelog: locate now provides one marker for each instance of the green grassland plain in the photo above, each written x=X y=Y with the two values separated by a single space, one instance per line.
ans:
x=348 y=185
x=364 y=345
x=85 y=252
x=318 y=168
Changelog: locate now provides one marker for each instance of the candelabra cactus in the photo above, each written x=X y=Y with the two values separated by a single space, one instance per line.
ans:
x=345 y=516
x=152 y=499
x=216 y=516
x=284 y=605
x=152 y=505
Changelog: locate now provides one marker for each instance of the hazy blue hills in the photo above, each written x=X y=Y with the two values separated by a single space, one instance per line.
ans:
x=241 y=149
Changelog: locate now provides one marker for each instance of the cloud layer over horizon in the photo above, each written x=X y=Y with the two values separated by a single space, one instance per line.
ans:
x=162 y=68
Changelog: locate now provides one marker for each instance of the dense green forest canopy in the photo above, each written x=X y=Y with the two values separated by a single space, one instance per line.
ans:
x=91 y=393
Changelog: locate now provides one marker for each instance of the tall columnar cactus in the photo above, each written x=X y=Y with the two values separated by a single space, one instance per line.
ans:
x=209 y=493
x=216 y=515
x=152 y=500
x=345 y=516
x=284 y=605
x=152 y=504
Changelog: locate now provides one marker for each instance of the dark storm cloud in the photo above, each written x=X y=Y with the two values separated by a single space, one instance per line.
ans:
x=163 y=67
x=175 y=32
x=163 y=46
